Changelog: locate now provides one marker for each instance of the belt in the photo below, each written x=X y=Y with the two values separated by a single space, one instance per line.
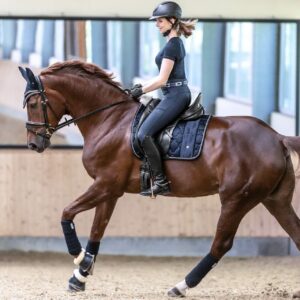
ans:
x=176 y=83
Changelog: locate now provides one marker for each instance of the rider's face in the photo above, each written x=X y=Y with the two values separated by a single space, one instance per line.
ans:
x=163 y=24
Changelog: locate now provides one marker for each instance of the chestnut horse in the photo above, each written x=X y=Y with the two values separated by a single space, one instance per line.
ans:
x=243 y=160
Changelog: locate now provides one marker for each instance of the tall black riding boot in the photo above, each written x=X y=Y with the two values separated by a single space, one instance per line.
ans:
x=160 y=185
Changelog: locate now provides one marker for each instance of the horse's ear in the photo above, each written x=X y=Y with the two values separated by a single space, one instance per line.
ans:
x=31 y=79
x=23 y=72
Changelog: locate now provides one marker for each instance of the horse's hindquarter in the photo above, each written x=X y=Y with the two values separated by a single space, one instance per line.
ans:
x=239 y=153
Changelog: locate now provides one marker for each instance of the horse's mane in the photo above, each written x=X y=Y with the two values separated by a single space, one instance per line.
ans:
x=82 y=69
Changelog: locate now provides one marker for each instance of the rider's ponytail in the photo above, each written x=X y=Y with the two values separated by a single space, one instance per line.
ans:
x=186 y=27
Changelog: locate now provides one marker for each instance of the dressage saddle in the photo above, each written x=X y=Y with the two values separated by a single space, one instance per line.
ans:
x=193 y=112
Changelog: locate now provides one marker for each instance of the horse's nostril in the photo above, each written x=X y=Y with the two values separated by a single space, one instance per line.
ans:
x=32 y=146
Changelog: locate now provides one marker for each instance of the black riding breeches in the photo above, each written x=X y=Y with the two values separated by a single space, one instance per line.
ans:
x=174 y=102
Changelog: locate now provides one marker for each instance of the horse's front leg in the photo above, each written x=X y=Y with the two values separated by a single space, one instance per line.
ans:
x=87 y=257
x=104 y=200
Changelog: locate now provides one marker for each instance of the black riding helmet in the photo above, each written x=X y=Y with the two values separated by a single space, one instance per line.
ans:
x=167 y=9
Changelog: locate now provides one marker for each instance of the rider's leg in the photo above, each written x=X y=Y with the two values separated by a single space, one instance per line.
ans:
x=166 y=112
x=160 y=184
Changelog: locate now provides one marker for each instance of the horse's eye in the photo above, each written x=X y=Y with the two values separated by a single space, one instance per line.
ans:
x=33 y=104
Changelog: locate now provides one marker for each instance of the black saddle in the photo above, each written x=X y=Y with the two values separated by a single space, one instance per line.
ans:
x=193 y=112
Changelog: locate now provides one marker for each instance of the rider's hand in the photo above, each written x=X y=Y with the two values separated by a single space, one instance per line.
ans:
x=136 y=91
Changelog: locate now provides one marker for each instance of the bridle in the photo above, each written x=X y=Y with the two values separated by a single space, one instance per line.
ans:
x=48 y=128
x=31 y=126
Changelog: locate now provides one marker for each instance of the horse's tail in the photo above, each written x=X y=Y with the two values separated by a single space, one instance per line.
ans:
x=292 y=143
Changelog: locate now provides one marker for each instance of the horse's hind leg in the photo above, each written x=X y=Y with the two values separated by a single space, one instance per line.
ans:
x=279 y=205
x=287 y=218
x=232 y=212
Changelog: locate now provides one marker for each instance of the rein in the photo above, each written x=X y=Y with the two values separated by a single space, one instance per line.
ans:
x=74 y=120
x=49 y=130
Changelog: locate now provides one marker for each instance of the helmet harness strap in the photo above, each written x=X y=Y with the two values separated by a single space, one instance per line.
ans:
x=166 y=33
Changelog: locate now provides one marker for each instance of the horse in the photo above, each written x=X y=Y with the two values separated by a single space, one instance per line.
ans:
x=243 y=159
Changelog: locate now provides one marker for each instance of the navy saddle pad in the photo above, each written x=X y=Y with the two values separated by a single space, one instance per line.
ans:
x=182 y=140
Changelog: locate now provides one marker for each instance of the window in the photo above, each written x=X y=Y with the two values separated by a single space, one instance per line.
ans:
x=287 y=75
x=1 y=33
x=193 y=60
x=88 y=40
x=238 y=62
x=114 y=44
x=59 y=36
x=1 y=39
x=149 y=47
x=20 y=29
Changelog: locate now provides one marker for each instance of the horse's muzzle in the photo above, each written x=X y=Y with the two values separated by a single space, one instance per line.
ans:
x=39 y=144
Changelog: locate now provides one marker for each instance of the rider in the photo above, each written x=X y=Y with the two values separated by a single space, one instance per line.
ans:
x=172 y=80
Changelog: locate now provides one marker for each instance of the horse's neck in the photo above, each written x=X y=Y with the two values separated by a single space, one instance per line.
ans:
x=105 y=119
x=83 y=100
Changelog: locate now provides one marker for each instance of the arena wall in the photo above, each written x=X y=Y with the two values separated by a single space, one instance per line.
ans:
x=36 y=187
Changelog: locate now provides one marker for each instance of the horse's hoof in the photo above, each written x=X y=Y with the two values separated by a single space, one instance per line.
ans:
x=75 y=285
x=296 y=295
x=175 y=292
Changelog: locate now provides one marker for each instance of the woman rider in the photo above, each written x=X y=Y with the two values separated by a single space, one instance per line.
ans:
x=172 y=80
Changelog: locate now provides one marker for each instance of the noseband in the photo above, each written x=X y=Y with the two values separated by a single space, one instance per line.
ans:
x=49 y=129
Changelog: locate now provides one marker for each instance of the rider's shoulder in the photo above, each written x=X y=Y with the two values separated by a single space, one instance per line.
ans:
x=174 y=42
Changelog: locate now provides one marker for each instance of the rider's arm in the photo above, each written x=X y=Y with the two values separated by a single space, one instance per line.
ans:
x=160 y=80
